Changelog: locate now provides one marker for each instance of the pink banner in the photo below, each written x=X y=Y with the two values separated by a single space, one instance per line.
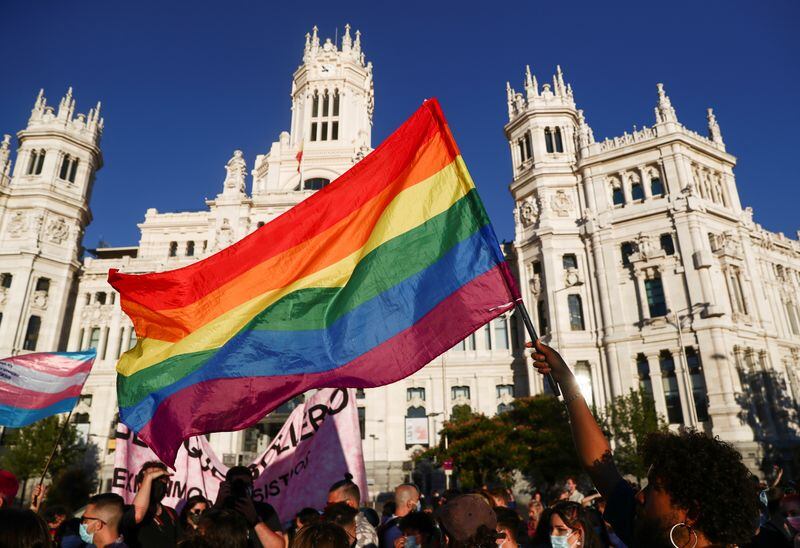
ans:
x=319 y=443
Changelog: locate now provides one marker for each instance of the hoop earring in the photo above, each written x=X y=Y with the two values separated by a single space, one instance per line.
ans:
x=691 y=531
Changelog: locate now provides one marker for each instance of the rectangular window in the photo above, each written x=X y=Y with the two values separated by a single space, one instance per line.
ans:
x=416 y=392
x=583 y=376
x=637 y=192
x=514 y=332
x=313 y=131
x=541 y=310
x=528 y=147
x=626 y=250
x=32 y=333
x=501 y=333
x=101 y=352
x=74 y=170
x=487 y=337
x=43 y=284
x=94 y=338
x=504 y=390
x=575 y=313
x=5 y=280
x=40 y=163
x=569 y=260
x=190 y=248
x=457 y=392
x=667 y=244
x=64 y=168
x=656 y=187
x=325 y=104
x=669 y=383
x=362 y=421
x=32 y=163
x=699 y=392
x=173 y=249
x=655 y=297
x=334 y=131
x=324 y=134
x=790 y=311
x=548 y=139
x=643 y=369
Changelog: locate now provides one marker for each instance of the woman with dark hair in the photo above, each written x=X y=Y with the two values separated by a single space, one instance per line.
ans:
x=321 y=534
x=699 y=492
x=23 y=529
x=192 y=511
x=570 y=526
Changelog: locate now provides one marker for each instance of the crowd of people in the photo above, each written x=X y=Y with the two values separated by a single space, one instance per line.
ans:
x=698 y=493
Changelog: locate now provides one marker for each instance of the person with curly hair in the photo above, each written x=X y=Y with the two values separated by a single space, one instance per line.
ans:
x=699 y=492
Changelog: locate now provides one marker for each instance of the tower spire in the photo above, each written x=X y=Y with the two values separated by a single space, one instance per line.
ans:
x=357 y=43
x=664 y=110
x=561 y=89
x=347 y=42
x=531 y=85
x=510 y=100
x=714 y=132
x=314 y=39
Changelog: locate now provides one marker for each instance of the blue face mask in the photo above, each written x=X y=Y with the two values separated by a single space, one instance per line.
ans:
x=86 y=536
x=559 y=542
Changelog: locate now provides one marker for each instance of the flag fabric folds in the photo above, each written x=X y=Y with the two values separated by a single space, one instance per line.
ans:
x=360 y=285
x=35 y=386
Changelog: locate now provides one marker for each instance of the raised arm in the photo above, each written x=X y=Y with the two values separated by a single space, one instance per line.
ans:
x=593 y=449
x=141 y=502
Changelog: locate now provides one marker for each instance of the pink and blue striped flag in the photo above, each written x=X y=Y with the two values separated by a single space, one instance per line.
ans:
x=35 y=386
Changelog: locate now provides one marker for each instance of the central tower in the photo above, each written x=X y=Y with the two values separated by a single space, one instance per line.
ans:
x=331 y=129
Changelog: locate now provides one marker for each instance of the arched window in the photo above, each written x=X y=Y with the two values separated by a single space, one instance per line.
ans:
x=69 y=168
x=416 y=413
x=548 y=140
x=190 y=248
x=32 y=333
x=575 y=313
x=317 y=183
x=669 y=383
x=32 y=162
x=559 y=141
x=525 y=149
x=64 y=167
x=40 y=162
x=637 y=192
x=173 y=249
x=656 y=187
x=617 y=195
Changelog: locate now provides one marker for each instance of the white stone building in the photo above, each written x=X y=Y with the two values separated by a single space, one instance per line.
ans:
x=570 y=229
x=638 y=259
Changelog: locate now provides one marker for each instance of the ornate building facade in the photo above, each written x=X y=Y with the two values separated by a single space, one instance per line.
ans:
x=637 y=258
x=332 y=105
x=634 y=255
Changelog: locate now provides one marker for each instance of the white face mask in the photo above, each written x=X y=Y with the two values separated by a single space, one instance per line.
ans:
x=561 y=541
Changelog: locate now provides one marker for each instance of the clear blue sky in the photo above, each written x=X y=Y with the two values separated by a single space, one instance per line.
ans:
x=183 y=84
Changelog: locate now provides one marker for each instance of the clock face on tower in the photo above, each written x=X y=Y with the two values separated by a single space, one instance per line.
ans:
x=326 y=69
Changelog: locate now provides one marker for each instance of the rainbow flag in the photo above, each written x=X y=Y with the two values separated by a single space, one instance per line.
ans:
x=35 y=386
x=360 y=285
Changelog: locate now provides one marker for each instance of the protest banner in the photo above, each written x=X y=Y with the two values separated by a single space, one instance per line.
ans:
x=317 y=445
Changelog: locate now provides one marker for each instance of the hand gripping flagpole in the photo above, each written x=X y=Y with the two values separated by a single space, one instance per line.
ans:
x=534 y=337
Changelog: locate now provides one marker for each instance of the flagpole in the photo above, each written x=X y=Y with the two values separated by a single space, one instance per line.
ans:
x=55 y=445
x=534 y=337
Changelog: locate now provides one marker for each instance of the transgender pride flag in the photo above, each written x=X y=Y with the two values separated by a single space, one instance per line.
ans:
x=35 y=386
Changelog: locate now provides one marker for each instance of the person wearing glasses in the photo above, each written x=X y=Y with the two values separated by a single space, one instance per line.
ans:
x=100 y=521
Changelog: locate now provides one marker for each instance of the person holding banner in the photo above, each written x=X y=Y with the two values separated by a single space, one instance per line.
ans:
x=699 y=492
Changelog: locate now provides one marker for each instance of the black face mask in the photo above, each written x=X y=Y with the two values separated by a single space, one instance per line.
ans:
x=158 y=491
